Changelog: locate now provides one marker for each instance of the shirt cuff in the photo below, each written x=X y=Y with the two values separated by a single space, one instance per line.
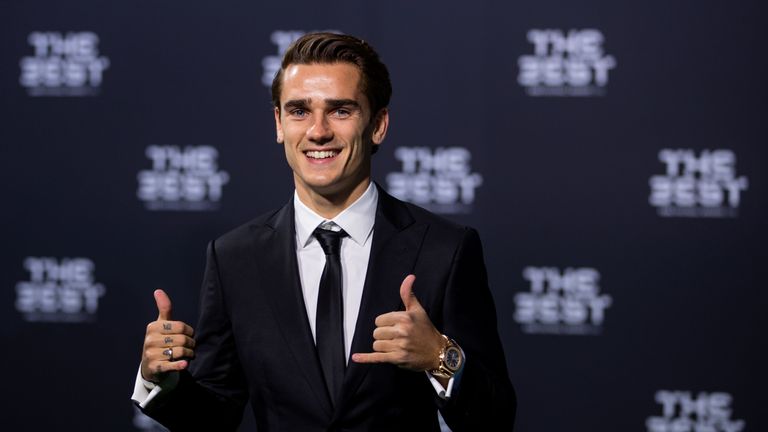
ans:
x=442 y=393
x=145 y=391
x=453 y=382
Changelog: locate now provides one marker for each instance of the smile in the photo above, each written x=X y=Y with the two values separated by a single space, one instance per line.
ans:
x=324 y=154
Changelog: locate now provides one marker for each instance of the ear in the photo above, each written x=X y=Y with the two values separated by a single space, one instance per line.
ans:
x=278 y=126
x=380 y=124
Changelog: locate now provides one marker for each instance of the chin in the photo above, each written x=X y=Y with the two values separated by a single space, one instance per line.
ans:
x=323 y=186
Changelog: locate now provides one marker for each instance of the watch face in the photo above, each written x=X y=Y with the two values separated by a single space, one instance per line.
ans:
x=453 y=358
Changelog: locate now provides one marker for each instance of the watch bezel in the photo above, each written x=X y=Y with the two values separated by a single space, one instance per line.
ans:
x=459 y=358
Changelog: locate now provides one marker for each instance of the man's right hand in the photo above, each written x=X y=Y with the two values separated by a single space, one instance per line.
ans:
x=167 y=345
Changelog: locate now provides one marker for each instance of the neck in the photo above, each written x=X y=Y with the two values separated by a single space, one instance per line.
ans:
x=328 y=205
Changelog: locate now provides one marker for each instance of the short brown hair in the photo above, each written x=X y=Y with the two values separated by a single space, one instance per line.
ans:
x=339 y=48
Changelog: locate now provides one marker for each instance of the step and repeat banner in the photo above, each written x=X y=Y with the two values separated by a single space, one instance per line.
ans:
x=611 y=154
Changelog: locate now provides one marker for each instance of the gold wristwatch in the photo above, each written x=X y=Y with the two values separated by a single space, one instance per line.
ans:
x=451 y=359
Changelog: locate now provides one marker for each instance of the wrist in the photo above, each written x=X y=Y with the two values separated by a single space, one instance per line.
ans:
x=449 y=359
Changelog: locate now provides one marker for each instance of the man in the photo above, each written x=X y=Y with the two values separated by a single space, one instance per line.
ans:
x=344 y=310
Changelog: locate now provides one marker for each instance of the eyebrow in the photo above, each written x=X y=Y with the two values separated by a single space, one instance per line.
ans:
x=338 y=103
x=296 y=103
x=332 y=103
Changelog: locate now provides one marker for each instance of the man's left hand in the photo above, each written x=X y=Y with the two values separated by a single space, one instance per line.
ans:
x=407 y=338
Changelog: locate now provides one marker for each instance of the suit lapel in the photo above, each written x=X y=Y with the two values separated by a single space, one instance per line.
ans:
x=395 y=248
x=282 y=286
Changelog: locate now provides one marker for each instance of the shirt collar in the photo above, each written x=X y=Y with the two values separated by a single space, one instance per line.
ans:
x=357 y=219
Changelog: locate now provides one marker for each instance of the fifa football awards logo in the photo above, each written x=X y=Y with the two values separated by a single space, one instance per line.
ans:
x=565 y=302
x=697 y=185
x=63 y=64
x=440 y=179
x=187 y=179
x=681 y=411
x=59 y=290
x=282 y=39
x=565 y=64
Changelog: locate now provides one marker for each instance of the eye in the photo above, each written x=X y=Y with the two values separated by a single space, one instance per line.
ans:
x=341 y=113
x=298 y=112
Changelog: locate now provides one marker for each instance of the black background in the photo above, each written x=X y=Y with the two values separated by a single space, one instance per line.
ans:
x=565 y=184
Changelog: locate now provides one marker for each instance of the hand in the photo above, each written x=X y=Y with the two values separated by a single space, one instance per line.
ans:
x=408 y=338
x=162 y=335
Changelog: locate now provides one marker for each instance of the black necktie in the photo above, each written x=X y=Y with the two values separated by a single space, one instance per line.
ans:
x=329 y=324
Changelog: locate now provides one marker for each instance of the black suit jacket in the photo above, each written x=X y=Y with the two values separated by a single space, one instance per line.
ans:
x=254 y=339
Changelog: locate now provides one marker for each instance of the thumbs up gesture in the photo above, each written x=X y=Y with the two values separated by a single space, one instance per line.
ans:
x=167 y=344
x=405 y=338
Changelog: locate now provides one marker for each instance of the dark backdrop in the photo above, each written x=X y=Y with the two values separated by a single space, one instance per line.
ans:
x=611 y=154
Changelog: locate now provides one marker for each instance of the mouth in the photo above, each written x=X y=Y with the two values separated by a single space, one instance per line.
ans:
x=321 y=155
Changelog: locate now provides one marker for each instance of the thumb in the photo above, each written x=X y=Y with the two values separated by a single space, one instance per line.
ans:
x=406 y=293
x=163 y=305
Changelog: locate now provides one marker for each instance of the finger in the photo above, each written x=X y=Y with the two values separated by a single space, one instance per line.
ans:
x=174 y=365
x=163 y=305
x=373 y=358
x=176 y=327
x=406 y=293
x=183 y=352
x=162 y=366
x=387 y=333
x=171 y=354
x=385 y=346
x=170 y=328
x=166 y=341
x=176 y=340
x=391 y=318
x=184 y=340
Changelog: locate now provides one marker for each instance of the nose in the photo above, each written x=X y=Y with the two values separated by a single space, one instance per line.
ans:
x=320 y=131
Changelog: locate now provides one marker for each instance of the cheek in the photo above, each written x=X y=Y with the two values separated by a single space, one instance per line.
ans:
x=359 y=143
x=293 y=130
x=290 y=154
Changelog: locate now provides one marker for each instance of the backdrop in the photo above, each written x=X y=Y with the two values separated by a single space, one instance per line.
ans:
x=611 y=154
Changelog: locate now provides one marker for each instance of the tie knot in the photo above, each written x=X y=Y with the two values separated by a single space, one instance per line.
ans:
x=329 y=240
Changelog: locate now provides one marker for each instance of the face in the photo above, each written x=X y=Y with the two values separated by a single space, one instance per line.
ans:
x=324 y=125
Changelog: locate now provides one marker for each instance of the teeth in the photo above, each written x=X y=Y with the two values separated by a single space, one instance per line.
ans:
x=321 y=154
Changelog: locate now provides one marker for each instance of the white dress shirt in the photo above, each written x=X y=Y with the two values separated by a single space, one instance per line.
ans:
x=357 y=220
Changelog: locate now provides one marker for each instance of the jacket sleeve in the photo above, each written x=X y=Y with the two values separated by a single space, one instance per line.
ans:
x=212 y=395
x=485 y=398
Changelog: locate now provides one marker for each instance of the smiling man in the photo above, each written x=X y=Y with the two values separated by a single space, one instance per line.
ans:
x=346 y=309
x=329 y=129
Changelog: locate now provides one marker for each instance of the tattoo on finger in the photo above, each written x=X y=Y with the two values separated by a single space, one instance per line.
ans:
x=166 y=326
x=168 y=340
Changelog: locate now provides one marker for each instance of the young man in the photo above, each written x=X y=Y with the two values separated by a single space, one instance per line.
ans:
x=346 y=309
